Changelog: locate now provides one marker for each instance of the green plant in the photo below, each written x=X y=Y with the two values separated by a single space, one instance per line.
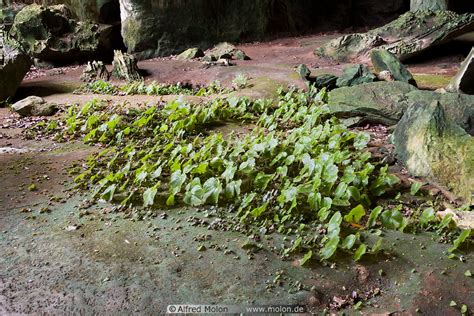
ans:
x=240 y=81
x=299 y=172
x=154 y=88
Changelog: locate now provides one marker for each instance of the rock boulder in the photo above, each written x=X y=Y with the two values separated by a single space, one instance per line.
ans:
x=386 y=102
x=355 y=75
x=50 y=34
x=13 y=67
x=191 y=53
x=408 y=36
x=433 y=146
x=34 y=106
x=383 y=60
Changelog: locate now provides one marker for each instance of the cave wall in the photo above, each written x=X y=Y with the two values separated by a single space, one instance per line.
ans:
x=160 y=27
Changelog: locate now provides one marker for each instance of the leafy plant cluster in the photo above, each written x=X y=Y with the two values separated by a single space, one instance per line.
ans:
x=153 y=89
x=299 y=171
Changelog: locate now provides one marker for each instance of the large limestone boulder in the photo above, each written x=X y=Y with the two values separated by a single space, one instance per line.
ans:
x=383 y=60
x=386 y=102
x=464 y=80
x=378 y=102
x=408 y=36
x=13 y=67
x=50 y=34
x=457 y=107
x=435 y=147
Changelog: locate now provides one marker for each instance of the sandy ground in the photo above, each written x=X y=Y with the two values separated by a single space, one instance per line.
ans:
x=60 y=256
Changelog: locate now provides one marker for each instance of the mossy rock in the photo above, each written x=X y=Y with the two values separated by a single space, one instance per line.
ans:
x=433 y=146
x=327 y=81
x=386 y=102
x=355 y=75
x=50 y=34
x=377 y=102
x=383 y=60
x=457 y=107
x=303 y=72
x=34 y=106
x=191 y=53
x=408 y=36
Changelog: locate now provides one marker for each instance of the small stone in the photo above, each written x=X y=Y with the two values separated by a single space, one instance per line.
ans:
x=191 y=53
x=34 y=106
x=303 y=71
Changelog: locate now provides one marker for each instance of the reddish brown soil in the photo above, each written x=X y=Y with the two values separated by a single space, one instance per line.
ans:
x=271 y=61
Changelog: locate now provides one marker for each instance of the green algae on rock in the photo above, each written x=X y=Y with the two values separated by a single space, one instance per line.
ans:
x=383 y=60
x=378 y=102
x=355 y=75
x=50 y=34
x=408 y=36
x=433 y=146
x=191 y=53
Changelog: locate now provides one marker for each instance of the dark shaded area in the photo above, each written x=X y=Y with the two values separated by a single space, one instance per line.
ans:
x=462 y=6
x=457 y=48
x=110 y=14
x=42 y=90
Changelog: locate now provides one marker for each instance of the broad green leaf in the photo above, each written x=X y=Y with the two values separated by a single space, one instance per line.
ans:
x=108 y=194
x=373 y=216
x=149 y=196
x=201 y=168
x=170 y=200
x=262 y=180
x=247 y=166
x=330 y=174
x=257 y=212
x=329 y=248
x=415 y=187
x=334 y=225
x=355 y=215
x=462 y=238
x=306 y=258
x=297 y=243
x=176 y=182
x=349 y=242
x=427 y=216
x=392 y=219
x=232 y=189
x=212 y=189
x=361 y=141
x=377 y=246
x=360 y=252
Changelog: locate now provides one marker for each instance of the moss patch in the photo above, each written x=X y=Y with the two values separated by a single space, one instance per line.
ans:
x=431 y=81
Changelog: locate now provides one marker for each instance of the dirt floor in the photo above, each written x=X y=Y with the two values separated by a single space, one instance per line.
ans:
x=61 y=255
